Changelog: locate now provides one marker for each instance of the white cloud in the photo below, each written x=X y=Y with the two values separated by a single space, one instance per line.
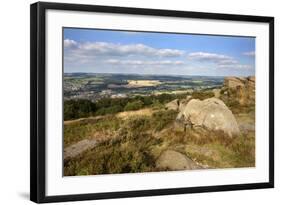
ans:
x=210 y=57
x=227 y=62
x=68 y=43
x=236 y=66
x=250 y=53
x=143 y=63
x=115 y=57
x=221 y=61
x=132 y=58
x=113 y=49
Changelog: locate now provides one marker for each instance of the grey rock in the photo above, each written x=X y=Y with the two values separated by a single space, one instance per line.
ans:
x=211 y=114
x=79 y=147
x=172 y=160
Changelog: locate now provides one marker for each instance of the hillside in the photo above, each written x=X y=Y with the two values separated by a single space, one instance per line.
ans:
x=164 y=133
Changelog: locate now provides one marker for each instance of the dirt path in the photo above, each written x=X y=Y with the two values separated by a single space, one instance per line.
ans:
x=68 y=122
x=142 y=112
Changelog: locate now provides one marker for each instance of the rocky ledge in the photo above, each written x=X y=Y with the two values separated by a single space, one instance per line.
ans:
x=241 y=89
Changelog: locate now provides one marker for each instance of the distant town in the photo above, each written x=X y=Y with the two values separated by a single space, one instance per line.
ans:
x=95 y=86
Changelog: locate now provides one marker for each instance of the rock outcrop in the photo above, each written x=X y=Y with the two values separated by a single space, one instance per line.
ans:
x=234 y=82
x=172 y=160
x=241 y=89
x=211 y=114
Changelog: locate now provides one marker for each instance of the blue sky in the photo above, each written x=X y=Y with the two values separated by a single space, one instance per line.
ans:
x=106 y=51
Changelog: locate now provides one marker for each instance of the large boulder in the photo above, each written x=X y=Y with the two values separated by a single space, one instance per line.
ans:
x=211 y=114
x=172 y=160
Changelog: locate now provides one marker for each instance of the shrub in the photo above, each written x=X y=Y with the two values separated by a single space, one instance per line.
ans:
x=109 y=110
x=135 y=105
x=202 y=95
x=162 y=119
x=136 y=125
x=74 y=109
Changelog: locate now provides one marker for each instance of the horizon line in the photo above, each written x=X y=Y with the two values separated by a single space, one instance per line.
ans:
x=159 y=74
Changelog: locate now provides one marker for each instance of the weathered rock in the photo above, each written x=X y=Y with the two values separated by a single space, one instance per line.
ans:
x=251 y=85
x=79 y=147
x=173 y=105
x=184 y=102
x=234 y=82
x=172 y=160
x=211 y=114
x=242 y=89
x=217 y=93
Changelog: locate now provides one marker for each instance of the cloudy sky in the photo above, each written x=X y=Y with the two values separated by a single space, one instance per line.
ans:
x=103 y=51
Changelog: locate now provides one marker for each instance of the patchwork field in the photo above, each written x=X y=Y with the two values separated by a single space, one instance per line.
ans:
x=143 y=83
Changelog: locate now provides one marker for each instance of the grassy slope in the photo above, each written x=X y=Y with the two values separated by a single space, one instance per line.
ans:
x=139 y=140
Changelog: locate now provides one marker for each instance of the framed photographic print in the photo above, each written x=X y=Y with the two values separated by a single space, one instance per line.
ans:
x=129 y=102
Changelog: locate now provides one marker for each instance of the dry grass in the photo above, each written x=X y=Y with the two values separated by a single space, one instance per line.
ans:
x=91 y=128
x=128 y=114
x=212 y=149
x=141 y=139
x=133 y=140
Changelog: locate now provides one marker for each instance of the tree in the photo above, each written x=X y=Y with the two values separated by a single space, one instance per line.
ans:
x=78 y=108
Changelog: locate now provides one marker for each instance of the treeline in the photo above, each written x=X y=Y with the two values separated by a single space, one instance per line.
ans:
x=74 y=109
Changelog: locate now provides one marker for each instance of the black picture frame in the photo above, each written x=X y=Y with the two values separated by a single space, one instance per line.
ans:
x=38 y=103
